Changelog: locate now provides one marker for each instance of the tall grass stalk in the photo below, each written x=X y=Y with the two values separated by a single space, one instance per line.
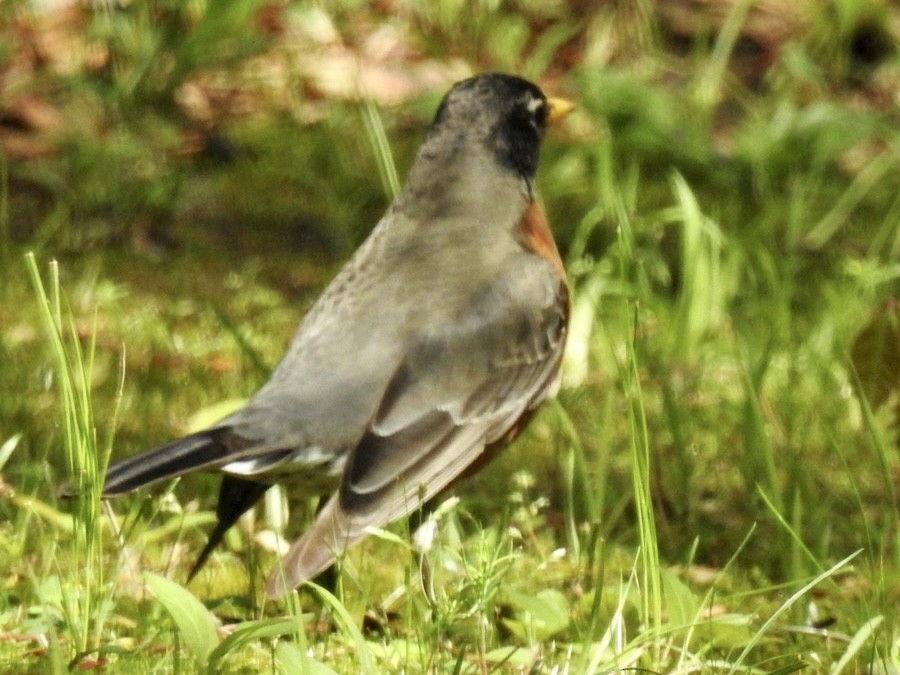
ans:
x=387 y=169
x=613 y=652
x=617 y=200
x=582 y=491
x=758 y=465
x=85 y=593
x=797 y=544
x=709 y=84
x=701 y=298
x=885 y=462
x=650 y=577
x=839 y=216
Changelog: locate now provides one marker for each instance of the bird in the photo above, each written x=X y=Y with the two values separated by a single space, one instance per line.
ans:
x=430 y=349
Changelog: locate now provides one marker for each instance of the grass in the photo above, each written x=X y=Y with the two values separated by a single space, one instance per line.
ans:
x=713 y=491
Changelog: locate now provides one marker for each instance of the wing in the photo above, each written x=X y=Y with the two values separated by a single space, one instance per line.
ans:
x=455 y=393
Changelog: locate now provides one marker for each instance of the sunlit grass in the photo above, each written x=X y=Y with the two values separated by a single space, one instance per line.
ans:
x=73 y=581
x=713 y=491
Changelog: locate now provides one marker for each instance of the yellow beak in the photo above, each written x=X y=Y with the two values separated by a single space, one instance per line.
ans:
x=558 y=108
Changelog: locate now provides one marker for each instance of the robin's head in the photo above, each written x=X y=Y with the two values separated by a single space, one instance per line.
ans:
x=504 y=113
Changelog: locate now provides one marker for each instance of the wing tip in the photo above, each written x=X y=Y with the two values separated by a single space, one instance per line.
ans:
x=315 y=551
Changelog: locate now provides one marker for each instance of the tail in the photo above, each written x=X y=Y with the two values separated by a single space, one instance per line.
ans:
x=236 y=496
x=206 y=449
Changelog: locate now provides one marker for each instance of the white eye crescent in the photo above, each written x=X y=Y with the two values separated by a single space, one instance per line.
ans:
x=535 y=104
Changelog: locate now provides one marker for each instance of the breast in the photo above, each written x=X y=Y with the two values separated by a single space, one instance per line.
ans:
x=533 y=233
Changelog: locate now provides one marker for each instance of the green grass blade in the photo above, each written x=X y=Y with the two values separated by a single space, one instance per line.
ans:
x=785 y=606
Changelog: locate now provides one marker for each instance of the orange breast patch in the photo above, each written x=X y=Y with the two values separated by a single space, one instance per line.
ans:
x=535 y=235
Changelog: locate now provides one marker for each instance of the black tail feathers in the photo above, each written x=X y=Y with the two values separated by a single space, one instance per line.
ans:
x=206 y=449
x=236 y=496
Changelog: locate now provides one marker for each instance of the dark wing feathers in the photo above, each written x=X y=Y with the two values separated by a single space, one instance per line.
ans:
x=380 y=463
x=478 y=378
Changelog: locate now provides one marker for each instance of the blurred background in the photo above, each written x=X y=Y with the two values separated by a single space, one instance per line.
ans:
x=726 y=197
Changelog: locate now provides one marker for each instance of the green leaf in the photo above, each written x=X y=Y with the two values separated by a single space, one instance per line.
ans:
x=541 y=615
x=7 y=448
x=513 y=657
x=343 y=618
x=195 y=623
x=681 y=604
x=292 y=661
x=250 y=631
x=729 y=631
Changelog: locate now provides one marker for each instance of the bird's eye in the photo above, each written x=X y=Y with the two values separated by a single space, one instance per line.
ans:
x=538 y=110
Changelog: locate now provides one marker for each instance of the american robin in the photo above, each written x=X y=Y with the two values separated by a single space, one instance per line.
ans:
x=432 y=347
